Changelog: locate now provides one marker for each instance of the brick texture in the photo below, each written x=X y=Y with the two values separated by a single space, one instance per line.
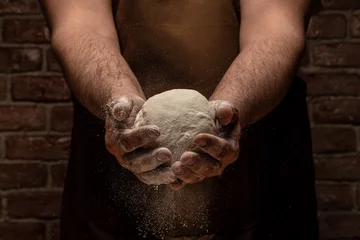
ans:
x=336 y=54
x=25 y=30
x=332 y=168
x=12 y=118
x=333 y=84
x=338 y=111
x=36 y=147
x=20 y=59
x=39 y=89
x=22 y=231
x=52 y=63
x=55 y=231
x=34 y=204
x=22 y=175
x=333 y=140
x=336 y=197
x=61 y=118
x=339 y=225
x=327 y=26
x=36 y=120
x=2 y=88
x=58 y=173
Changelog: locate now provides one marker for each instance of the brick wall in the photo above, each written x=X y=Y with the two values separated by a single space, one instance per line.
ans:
x=35 y=120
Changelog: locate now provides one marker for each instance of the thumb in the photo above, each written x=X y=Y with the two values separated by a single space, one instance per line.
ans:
x=121 y=108
x=224 y=111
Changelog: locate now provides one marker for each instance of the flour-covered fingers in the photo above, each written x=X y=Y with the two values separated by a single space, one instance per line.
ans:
x=143 y=160
x=219 y=148
x=201 y=164
x=177 y=185
x=131 y=139
x=121 y=108
x=157 y=176
x=185 y=174
x=224 y=111
x=111 y=136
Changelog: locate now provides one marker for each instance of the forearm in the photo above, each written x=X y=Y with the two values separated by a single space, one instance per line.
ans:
x=260 y=76
x=94 y=68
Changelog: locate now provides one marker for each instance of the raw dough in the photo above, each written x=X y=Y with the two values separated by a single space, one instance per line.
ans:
x=180 y=114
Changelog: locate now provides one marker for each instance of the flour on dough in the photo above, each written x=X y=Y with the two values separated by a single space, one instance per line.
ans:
x=180 y=114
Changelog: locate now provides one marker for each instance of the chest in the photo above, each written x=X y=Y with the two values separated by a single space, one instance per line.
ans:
x=205 y=12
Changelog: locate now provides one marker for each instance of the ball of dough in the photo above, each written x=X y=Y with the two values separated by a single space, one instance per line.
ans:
x=180 y=114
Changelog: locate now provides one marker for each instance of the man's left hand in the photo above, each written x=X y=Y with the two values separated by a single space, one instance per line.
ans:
x=219 y=151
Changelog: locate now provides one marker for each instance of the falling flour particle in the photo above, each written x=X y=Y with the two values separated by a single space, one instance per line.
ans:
x=180 y=114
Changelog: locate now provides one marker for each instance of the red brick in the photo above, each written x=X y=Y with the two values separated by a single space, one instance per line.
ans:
x=330 y=84
x=341 y=225
x=36 y=147
x=358 y=196
x=22 y=118
x=58 y=173
x=338 y=168
x=22 y=231
x=20 y=59
x=40 y=89
x=333 y=140
x=355 y=25
x=2 y=88
x=52 y=63
x=327 y=26
x=19 y=6
x=1 y=211
x=34 y=204
x=337 y=54
x=341 y=4
x=338 y=196
x=343 y=111
x=25 y=30
x=55 y=231
x=22 y=175
x=305 y=60
x=62 y=118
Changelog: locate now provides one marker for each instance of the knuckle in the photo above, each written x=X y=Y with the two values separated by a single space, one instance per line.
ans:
x=222 y=152
x=126 y=145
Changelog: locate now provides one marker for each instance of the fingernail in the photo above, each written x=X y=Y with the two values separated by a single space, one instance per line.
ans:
x=152 y=133
x=179 y=171
x=187 y=161
x=163 y=157
x=118 y=112
x=201 y=142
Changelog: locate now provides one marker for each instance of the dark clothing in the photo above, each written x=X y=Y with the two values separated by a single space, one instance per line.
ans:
x=268 y=193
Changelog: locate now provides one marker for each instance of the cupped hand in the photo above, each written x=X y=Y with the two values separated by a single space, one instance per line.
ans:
x=124 y=141
x=220 y=150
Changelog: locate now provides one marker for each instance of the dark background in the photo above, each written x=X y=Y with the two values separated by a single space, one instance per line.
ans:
x=36 y=113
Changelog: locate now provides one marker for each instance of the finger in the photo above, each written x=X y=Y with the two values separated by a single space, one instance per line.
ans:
x=144 y=160
x=111 y=135
x=131 y=139
x=201 y=164
x=216 y=147
x=185 y=174
x=158 y=176
x=177 y=185
x=121 y=108
x=224 y=111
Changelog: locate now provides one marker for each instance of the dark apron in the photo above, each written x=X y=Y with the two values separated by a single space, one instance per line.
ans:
x=268 y=193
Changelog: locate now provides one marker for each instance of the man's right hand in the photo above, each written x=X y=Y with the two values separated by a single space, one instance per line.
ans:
x=123 y=140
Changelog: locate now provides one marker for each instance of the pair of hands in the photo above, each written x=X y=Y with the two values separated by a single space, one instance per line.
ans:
x=125 y=143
